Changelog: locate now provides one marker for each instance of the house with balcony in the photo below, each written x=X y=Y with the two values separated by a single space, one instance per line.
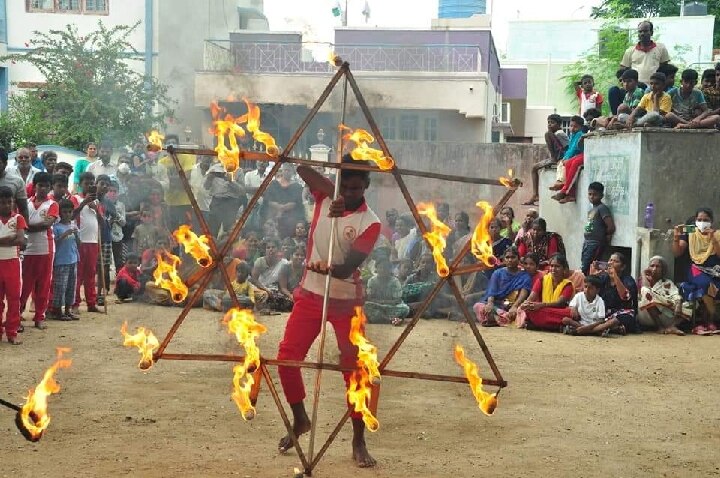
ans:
x=443 y=84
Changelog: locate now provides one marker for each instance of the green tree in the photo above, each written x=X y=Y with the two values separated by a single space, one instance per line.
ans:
x=91 y=92
x=614 y=9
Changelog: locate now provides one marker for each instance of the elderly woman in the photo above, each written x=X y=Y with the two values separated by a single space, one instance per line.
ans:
x=702 y=241
x=508 y=288
x=548 y=301
x=620 y=294
x=659 y=300
x=544 y=244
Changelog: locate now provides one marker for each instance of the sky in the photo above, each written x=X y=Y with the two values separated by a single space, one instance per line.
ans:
x=315 y=19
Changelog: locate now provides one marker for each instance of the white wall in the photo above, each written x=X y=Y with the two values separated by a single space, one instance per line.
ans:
x=22 y=24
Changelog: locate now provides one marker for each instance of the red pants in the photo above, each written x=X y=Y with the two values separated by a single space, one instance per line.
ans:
x=86 y=273
x=37 y=280
x=10 y=285
x=572 y=170
x=302 y=327
x=549 y=318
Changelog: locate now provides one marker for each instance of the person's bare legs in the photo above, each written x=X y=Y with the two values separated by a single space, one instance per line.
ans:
x=360 y=453
x=301 y=425
x=588 y=329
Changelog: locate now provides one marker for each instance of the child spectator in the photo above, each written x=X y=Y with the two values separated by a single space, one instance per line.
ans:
x=127 y=280
x=64 y=169
x=616 y=93
x=117 y=223
x=633 y=95
x=292 y=272
x=60 y=190
x=587 y=96
x=419 y=284
x=247 y=294
x=146 y=234
x=710 y=87
x=37 y=262
x=556 y=141
x=510 y=226
x=87 y=217
x=12 y=236
x=587 y=309
x=599 y=228
x=575 y=147
x=384 y=304
x=689 y=107
x=653 y=106
x=65 y=264
x=105 y=214
x=669 y=85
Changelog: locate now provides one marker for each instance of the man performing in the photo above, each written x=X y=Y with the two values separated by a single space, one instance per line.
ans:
x=357 y=228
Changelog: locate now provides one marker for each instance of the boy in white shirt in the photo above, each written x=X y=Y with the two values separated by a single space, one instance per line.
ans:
x=588 y=309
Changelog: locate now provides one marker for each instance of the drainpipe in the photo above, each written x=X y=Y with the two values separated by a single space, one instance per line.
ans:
x=149 y=36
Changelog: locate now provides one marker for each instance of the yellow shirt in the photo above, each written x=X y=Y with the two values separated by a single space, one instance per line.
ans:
x=175 y=193
x=246 y=288
x=648 y=103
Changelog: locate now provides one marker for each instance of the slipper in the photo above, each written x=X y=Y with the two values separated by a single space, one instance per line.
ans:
x=397 y=321
x=531 y=202
x=701 y=330
x=567 y=199
x=14 y=341
x=556 y=186
x=40 y=325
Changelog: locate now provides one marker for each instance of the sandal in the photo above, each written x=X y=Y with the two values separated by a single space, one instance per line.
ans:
x=21 y=329
x=14 y=341
x=40 y=325
x=531 y=202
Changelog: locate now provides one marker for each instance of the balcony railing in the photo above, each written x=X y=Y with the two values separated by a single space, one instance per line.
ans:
x=268 y=57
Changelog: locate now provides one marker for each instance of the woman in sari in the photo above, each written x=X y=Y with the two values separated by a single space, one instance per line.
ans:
x=620 y=294
x=544 y=244
x=659 y=300
x=548 y=301
x=509 y=286
x=266 y=276
x=703 y=243
x=499 y=245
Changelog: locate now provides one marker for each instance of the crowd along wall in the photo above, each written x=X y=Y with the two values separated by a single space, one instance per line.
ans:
x=675 y=170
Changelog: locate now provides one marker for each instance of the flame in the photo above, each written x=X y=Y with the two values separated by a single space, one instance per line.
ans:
x=367 y=374
x=33 y=414
x=173 y=284
x=253 y=125
x=156 y=140
x=196 y=246
x=363 y=151
x=436 y=237
x=145 y=341
x=225 y=127
x=486 y=401
x=241 y=322
x=334 y=59
x=481 y=241
x=509 y=181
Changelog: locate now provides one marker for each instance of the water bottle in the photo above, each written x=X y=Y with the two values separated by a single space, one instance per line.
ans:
x=649 y=216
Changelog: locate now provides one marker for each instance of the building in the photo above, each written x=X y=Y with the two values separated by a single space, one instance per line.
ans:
x=546 y=48
x=461 y=8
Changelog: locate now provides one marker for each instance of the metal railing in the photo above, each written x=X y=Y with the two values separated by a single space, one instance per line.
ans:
x=285 y=57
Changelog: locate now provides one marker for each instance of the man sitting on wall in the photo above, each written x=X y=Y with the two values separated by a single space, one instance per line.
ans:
x=556 y=141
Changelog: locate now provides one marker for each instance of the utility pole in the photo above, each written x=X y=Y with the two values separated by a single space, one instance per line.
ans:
x=682 y=8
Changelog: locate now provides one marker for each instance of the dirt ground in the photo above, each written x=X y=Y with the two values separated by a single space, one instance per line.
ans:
x=634 y=406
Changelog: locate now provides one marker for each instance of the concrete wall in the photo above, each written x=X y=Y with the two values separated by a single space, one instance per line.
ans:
x=675 y=170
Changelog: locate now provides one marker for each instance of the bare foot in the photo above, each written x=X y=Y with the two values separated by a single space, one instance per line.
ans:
x=300 y=426
x=362 y=456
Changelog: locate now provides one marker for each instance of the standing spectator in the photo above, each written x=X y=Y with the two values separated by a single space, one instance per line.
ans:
x=103 y=167
x=49 y=159
x=65 y=264
x=37 y=262
x=15 y=184
x=36 y=162
x=646 y=56
x=23 y=167
x=388 y=228
x=82 y=164
x=253 y=179
x=176 y=199
x=283 y=201
x=117 y=223
x=588 y=98
x=12 y=236
x=63 y=168
x=105 y=214
x=599 y=228
x=87 y=217
x=60 y=190
x=227 y=197
x=197 y=183
x=146 y=234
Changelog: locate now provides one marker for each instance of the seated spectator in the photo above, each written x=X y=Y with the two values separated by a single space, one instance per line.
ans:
x=620 y=294
x=541 y=242
x=248 y=296
x=548 y=302
x=616 y=93
x=575 y=147
x=292 y=272
x=461 y=228
x=632 y=94
x=588 y=98
x=531 y=265
x=509 y=286
x=388 y=228
x=301 y=234
x=266 y=276
x=669 y=71
x=710 y=87
x=653 y=106
x=556 y=141
x=408 y=246
x=587 y=309
x=472 y=288
x=283 y=201
x=689 y=107
x=499 y=245
x=127 y=280
x=383 y=301
x=419 y=284
x=530 y=215
x=146 y=234
x=157 y=209
x=510 y=226
x=659 y=304
x=702 y=242
x=590 y=116
x=270 y=229
x=287 y=246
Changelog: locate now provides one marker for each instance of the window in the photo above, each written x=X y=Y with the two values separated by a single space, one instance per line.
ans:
x=430 y=129
x=388 y=126
x=409 y=127
x=96 y=6
x=69 y=6
x=41 y=5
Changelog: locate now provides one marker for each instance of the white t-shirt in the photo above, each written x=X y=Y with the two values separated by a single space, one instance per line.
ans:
x=88 y=224
x=253 y=179
x=646 y=63
x=590 y=312
x=42 y=242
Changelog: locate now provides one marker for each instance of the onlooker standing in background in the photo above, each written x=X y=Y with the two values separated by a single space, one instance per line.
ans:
x=15 y=184
x=12 y=227
x=103 y=167
x=82 y=164
x=36 y=162
x=86 y=215
x=23 y=167
x=283 y=201
x=226 y=198
x=646 y=56
x=197 y=183
x=117 y=223
x=65 y=264
x=177 y=200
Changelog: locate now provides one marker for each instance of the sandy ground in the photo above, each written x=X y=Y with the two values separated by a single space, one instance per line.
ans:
x=635 y=406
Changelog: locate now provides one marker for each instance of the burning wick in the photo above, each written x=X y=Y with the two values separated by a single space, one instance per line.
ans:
x=253 y=125
x=33 y=419
x=481 y=241
x=508 y=182
x=334 y=59
x=367 y=374
x=241 y=323
x=487 y=402
x=363 y=151
x=156 y=140
x=145 y=341
x=196 y=246
x=173 y=284
x=436 y=237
